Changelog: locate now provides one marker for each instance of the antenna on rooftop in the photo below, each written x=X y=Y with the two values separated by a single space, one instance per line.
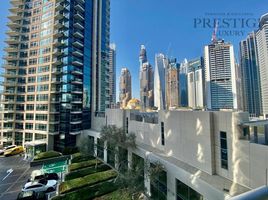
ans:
x=214 y=34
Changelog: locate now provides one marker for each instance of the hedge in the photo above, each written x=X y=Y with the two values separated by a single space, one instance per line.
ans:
x=46 y=155
x=118 y=194
x=81 y=158
x=91 y=179
x=84 y=164
x=89 y=193
x=86 y=171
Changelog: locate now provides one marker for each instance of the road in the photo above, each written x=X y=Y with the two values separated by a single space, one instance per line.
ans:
x=10 y=185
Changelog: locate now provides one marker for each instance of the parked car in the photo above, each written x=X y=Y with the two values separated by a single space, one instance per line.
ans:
x=31 y=195
x=2 y=151
x=14 y=151
x=38 y=175
x=42 y=185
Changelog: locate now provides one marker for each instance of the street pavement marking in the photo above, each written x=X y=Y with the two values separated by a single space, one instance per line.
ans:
x=8 y=173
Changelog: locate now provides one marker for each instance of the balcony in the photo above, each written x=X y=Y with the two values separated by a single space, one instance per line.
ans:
x=77 y=71
x=78 y=34
x=16 y=2
x=13 y=25
x=78 y=16
x=77 y=63
x=8 y=83
x=78 y=7
x=59 y=25
x=78 y=53
x=77 y=101
x=58 y=44
x=77 y=91
x=15 y=9
x=57 y=61
x=80 y=1
x=58 y=34
x=12 y=41
x=13 y=33
x=59 y=7
x=57 y=53
x=79 y=26
x=14 y=17
x=75 y=132
x=11 y=49
x=76 y=122
x=59 y=16
x=56 y=71
x=55 y=80
x=77 y=81
x=78 y=44
x=53 y=132
x=54 y=90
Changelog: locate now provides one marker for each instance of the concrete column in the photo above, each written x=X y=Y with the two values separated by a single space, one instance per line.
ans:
x=171 y=187
x=147 y=177
x=129 y=159
x=105 y=152
x=255 y=134
x=266 y=134
x=95 y=146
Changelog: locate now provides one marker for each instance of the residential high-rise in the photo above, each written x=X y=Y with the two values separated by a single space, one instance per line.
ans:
x=54 y=48
x=172 y=85
x=125 y=87
x=221 y=91
x=160 y=81
x=146 y=81
x=250 y=75
x=262 y=47
x=112 y=75
x=183 y=90
x=196 y=83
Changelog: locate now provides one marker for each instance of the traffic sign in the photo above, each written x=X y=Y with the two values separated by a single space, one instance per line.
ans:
x=56 y=167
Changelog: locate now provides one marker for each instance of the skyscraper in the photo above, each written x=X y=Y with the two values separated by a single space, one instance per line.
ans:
x=54 y=48
x=112 y=75
x=262 y=47
x=146 y=81
x=250 y=74
x=125 y=87
x=221 y=91
x=196 y=83
x=160 y=81
x=183 y=90
x=172 y=84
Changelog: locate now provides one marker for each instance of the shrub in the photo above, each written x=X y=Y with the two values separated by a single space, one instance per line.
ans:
x=77 y=183
x=81 y=158
x=86 y=171
x=84 y=164
x=46 y=155
x=88 y=193
x=118 y=194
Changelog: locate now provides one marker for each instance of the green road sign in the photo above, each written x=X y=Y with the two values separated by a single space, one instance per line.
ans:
x=56 y=167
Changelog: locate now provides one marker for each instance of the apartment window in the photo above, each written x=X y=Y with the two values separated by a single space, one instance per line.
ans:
x=41 y=117
x=31 y=88
x=162 y=133
x=45 y=59
x=41 y=107
x=29 y=116
x=43 y=69
x=45 y=50
x=184 y=192
x=43 y=78
x=30 y=98
x=40 y=136
x=18 y=138
x=33 y=61
x=41 y=127
x=42 y=97
x=30 y=107
x=19 y=116
x=31 y=70
x=46 y=32
x=34 y=44
x=31 y=79
x=28 y=137
x=33 y=53
x=224 y=150
x=47 y=7
x=42 y=88
x=46 y=41
x=159 y=185
x=29 y=126
x=34 y=35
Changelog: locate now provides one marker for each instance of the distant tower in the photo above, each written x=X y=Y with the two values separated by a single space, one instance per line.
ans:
x=183 y=90
x=146 y=81
x=220 y=75
x=160 y=81
x=125 y=88
x=196 y=83
x=172 y=84
x=262 y=47
x=112 y=75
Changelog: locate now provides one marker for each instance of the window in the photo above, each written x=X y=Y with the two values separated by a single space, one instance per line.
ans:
x=184 y=192
x=224 y=150
x=41 y=117
x=41 y=127
x=42 y=97
x=31 y=88
x=162 y=134
x=28 y=137
x=42 y=88
x=127 y=125
x=33 y=53
x=43 y=69
x=43 y=78
x=29 y=116
x=18 y=138
x=41 y=107
x=30 y=98
x=29 y=126
x=159 y=185
x=45 y=59
x=33 y=61
x=40 y=136
x=30 y=107
x=31 y=79
x=31 y=70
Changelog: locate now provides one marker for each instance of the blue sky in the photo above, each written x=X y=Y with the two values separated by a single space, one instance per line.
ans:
x=165 y=26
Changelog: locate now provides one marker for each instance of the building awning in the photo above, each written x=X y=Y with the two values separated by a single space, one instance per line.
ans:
x=255 y=123
x=35 y=143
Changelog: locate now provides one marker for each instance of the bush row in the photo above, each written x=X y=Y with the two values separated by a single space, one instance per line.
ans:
x=84 y=164
x=88 y=193
x=86 y=171
x=88 y=180
x=46 y=155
